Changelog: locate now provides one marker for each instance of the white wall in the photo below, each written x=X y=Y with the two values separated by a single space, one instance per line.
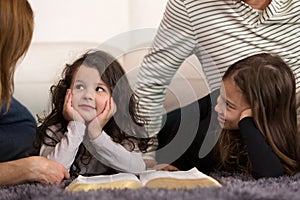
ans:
x=66 y=28
x=146 y=13
x=92 y=20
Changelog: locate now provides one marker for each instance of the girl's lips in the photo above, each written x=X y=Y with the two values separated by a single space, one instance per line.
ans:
x=221 y=119
x=87 y=107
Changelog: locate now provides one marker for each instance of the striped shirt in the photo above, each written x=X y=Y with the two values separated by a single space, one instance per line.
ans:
x=219 y=33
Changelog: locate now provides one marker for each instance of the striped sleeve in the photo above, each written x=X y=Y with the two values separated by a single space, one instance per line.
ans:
x=173 y=43
x=219 y=33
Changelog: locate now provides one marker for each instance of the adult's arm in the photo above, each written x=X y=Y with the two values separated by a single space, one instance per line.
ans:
x=264 y=161
x=65 y=151
x=35 y=168
x=17 y=131
x=173 y=43
x=114 y=155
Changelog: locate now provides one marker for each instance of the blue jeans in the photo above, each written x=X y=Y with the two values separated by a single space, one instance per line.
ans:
x=17 y=132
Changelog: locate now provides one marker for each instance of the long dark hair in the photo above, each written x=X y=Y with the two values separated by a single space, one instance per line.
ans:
x=120 y=127
x=268 y=85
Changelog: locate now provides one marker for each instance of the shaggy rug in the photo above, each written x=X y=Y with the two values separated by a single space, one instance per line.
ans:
x=235 y=186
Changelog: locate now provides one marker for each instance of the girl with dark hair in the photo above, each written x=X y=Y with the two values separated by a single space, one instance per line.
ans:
x=257 y=111
x=93 y=128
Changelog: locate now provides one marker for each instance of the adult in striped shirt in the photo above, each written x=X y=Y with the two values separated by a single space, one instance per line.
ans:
x=219 y=33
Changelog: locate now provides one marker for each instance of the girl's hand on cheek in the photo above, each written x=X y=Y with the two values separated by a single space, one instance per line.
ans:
x=246 y=113
x=69 y=112
x=96 y=125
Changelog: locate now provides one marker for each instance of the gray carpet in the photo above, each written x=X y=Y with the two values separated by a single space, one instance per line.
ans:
x=235 y=186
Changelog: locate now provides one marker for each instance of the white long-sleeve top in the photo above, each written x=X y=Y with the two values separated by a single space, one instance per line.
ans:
x=106 y=153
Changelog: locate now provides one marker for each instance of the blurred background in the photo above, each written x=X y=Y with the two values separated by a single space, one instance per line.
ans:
x=124 y=28
x=93 y=20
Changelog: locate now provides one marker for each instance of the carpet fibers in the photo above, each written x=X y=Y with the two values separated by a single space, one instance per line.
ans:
x=235 y=187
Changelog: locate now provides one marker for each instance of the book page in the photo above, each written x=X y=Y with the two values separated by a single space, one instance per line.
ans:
x=177 y=179
x=120 y=180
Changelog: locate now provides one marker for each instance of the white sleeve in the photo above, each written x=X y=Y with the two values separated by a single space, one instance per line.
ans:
x=114 y=155
x=65 y=151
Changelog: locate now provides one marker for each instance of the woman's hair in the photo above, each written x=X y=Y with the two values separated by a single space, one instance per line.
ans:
x=120 y=127
x=16 y=29
x=268 y=85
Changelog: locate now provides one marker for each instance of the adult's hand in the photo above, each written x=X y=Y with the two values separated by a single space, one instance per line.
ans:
x=165 y=167
x=35 y=168
x=46 y=171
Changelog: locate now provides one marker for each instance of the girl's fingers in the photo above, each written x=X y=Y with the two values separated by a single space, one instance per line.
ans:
x=113 y=107
x=107 y=106
x=108 y=110
x=68 y=98
x=109 y=102
x=66 y=101
x=68 y=105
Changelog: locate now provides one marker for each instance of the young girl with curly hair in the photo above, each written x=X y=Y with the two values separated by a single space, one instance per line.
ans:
x=93 y=128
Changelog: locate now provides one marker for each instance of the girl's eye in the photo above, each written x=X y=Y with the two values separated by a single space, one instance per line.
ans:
x=229 y=105
x=79 y=87
x=99 y=89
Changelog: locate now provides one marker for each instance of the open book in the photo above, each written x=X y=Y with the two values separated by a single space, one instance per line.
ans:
x=155 y=179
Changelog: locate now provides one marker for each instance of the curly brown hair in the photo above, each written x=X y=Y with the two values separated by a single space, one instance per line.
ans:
x=123 y=127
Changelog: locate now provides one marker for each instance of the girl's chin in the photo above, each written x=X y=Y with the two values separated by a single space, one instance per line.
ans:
x=88 y=119
x=221 y=125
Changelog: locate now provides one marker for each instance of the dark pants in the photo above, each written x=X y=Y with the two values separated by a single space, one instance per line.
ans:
x=184 y=135
x=17 y=132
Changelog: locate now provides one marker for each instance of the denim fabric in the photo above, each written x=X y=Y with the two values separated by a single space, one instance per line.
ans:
x=17 y=131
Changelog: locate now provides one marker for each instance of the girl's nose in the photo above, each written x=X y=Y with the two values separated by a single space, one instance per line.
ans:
x=89 y=94
x=219 y=107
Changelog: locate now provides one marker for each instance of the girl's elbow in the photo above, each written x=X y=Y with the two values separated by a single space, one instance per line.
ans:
x=136 y=166
x=139 y=167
